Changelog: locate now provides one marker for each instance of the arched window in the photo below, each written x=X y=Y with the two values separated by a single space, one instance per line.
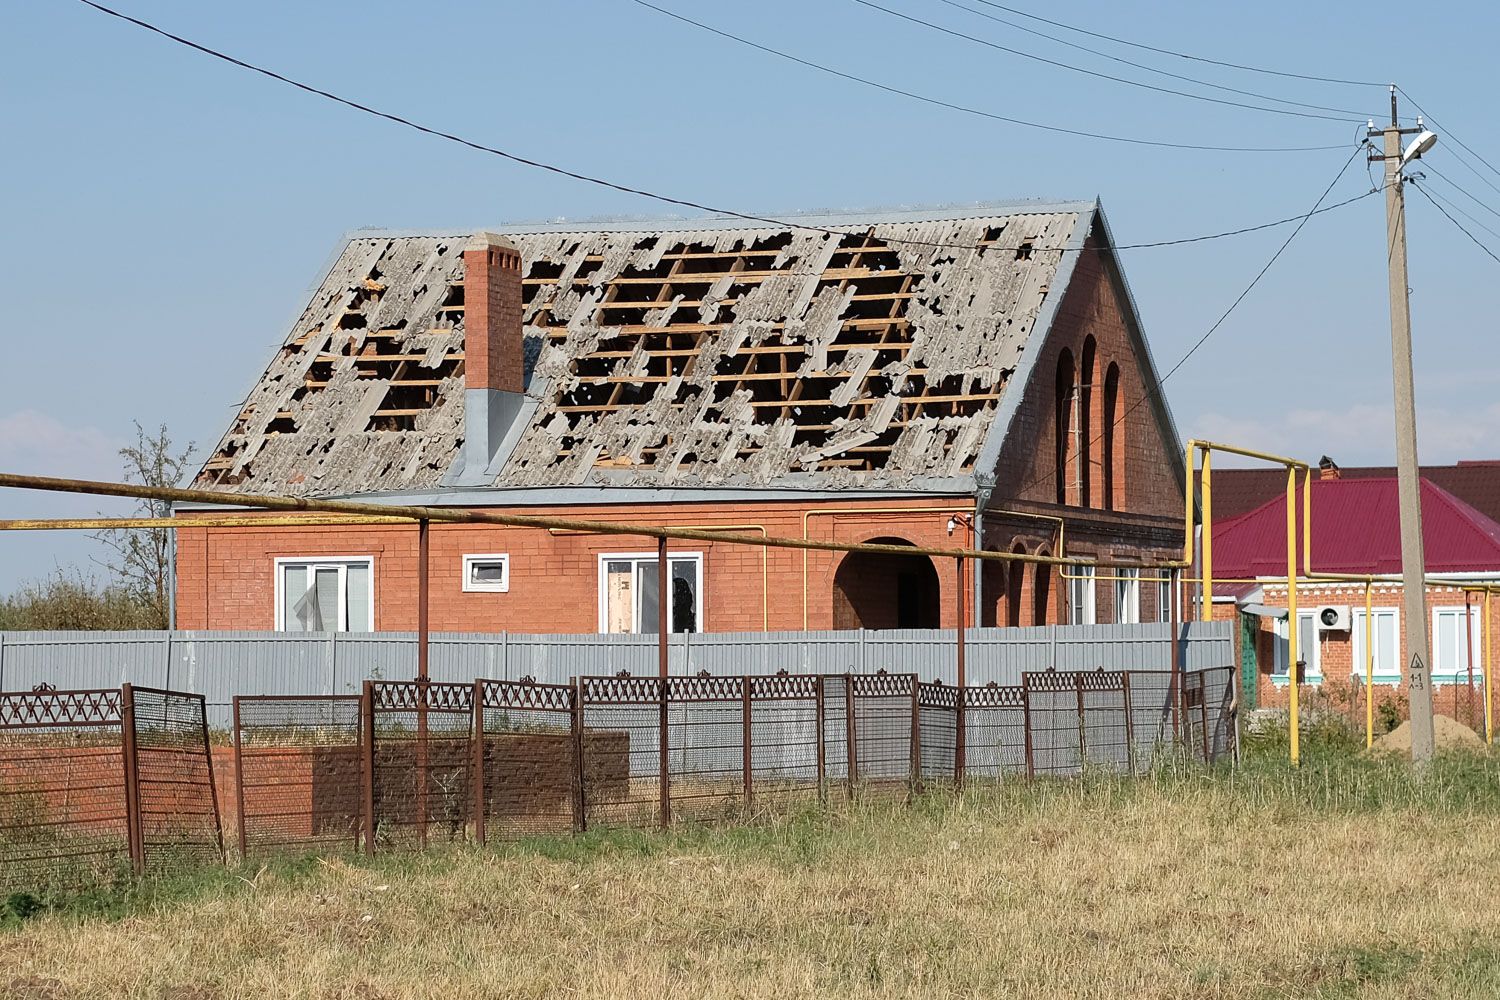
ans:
x=1014 y=589
x=1042 y=592
x=1063 y=423
x=1088 y=473
x=1114 y=442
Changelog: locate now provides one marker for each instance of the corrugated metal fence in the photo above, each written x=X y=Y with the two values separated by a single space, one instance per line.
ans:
x=224 y=664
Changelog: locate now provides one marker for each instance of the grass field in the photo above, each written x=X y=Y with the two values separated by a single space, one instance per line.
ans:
x=1346 y=879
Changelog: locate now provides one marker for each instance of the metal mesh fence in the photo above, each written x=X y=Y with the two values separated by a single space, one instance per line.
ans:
x=1054 y=722
x=994 y=731
x=937 y=724
x=1153 y=718
x=530 y=740
x=786 y=728
x=622 y=759
x=299 y=774
x=421 y=749
x=885 y=708
x=179 y=808
x=708 y=722
x=63 y=815
x=1208 y=726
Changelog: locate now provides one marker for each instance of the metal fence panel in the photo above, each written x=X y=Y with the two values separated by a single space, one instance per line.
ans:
x=621 y=769
x=994 y=731
x=421 y=764
x=299 y=774
x=785 y=736
x=178 y=801
x=529 y=778
x=63 y=815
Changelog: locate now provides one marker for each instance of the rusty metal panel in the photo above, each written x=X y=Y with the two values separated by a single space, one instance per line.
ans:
x=422 y=762
x=994 y=724
x=622 y=770
x=299 y=779
x=179 y=809
x=530 y=768
x=63 y=819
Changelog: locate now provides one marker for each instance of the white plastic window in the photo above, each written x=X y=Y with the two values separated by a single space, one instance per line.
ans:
x=325 y=594
x=629 y=597
x=487 y=573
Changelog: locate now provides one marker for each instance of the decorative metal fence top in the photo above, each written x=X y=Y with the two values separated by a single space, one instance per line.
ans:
x=937 y=695
x=995 y=696
x=408 y=696
x=882 y=685
x=526 y=693
x=783 y=686
x=38 y=709
x=1053 y=679
x=622 y=689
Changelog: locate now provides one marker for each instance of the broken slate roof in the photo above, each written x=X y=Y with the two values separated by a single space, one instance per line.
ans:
x=682 y=355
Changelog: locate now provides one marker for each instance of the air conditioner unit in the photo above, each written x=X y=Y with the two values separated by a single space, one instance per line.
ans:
x=1333 y=618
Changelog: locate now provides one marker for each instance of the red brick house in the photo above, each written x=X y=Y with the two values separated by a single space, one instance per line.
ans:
x=911 y=377
x=1355 y=530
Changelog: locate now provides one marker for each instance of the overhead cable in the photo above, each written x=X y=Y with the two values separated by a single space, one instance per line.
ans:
x=1181 y=55
x=1095 y=73
x=666 y=199
x=1450 y=218
x=1142 y=66
x=966 y=109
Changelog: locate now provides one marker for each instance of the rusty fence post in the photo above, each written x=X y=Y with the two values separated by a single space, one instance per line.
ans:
x=367 y=761
x=818 y=732
x=134 y=834
x=746 y=746
x=213 y=788
x=477 y=735
x=915 y=781
x=663 y=598
x=960 y=747
x=851 y=739
x=1083 y=724
x=580 y=788
x=1129 y=722
x=239 y=778
x=1203 y=714
x=1026 y=727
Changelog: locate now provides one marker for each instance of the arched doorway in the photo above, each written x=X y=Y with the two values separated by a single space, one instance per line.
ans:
x=877 y=590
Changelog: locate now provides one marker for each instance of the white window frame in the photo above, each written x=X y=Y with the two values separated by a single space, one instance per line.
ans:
x=1083 y=597
x=470 y=587
x=672 y=557
x=1166 y=596
x=342 y=564
x=1281 y=670
x=1128 y=597
x=1444 y=674
x=1390 y=675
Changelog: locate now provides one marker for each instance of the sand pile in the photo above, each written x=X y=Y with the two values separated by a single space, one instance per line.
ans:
x=1447 y=734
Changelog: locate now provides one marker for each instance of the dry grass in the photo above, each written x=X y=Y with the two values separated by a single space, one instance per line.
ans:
x=1264 y=886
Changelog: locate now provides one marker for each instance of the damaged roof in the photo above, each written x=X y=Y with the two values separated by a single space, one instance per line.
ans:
x=686 y=354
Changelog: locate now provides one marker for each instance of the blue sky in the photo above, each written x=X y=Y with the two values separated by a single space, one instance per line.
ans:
x=165 y=214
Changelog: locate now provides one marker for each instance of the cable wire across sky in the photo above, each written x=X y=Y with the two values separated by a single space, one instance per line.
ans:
x=668 y=199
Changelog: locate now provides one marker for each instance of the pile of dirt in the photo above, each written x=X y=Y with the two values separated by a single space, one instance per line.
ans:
x=1448 y=734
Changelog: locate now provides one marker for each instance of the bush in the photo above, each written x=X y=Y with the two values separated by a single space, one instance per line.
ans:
x=62 y=601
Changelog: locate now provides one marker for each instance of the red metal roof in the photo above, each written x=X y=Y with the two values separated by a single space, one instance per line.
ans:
x=1477 y=483
x=1356 y=529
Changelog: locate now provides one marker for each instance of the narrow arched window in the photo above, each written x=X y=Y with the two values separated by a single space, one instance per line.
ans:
x=1114 y=443
x=1063 y=424
x=1042 y=593
x=1088 y=427
x=1014 y=589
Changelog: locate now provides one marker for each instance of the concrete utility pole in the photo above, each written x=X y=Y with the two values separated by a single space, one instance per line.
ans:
x=1413 y=565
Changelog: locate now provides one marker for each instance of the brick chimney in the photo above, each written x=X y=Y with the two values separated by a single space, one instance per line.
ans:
x=494 y=378
x=1329 y=469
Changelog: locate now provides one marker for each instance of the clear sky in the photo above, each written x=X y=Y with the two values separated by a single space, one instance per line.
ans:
x=165 y=214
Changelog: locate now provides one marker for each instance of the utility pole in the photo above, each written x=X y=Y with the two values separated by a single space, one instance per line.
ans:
x=1413 y=566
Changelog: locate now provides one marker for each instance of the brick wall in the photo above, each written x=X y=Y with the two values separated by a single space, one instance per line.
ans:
x=226 y=576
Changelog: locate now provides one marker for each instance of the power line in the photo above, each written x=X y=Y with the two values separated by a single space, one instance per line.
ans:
x=1181 y=55
x=1457 y=141
x=1461 y=211
x=1089 y=72
x=1143 y=66
x=666 y=199
x=1161 y=381
x=1451 y=219
x=966 y=109
x=1428 y=168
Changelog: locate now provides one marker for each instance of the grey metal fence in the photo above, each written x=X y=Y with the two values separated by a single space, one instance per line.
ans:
x=223 y=664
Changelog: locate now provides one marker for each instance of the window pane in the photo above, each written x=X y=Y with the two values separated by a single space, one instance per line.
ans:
x=358 y=598
x=684 y=595
x=1445 y=644
x=650 y=604
x=1385 y=643
x=326 y=599
x=619 y=603
x=1307 y=642
x=491 y=572
x=293 y=587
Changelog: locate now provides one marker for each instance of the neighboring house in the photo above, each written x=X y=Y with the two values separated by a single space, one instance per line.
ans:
x=1355 y=530
x=928 y=376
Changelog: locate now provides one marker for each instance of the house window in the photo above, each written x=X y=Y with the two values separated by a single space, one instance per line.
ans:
x=1451 y=643
x=629 y=600
x=1385 y=624
x=325 y=594
x=487 y=573
x=1128 y=597
x=1165 y=594
x=1081 y=609
x=1307 y=647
